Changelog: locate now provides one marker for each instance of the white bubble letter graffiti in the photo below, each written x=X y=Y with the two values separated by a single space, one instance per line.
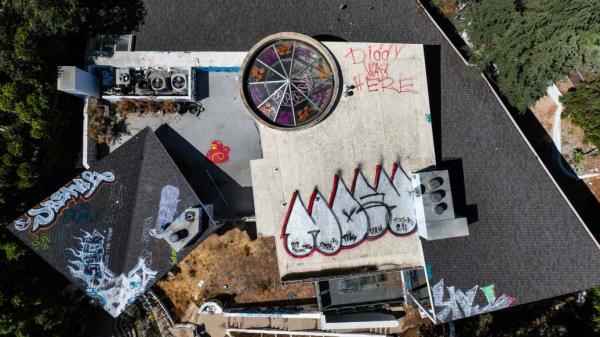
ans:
x=329 y=236
x=349 y=213
x=299 y=229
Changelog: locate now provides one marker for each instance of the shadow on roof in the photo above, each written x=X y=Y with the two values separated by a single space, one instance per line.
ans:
x=211 y=184
x=576 y=191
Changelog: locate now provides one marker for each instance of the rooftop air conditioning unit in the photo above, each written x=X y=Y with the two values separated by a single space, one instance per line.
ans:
x=123 y=76
x=158 y=81
x=179 y=82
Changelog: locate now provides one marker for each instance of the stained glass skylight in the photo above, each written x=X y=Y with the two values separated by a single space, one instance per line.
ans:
x=289 y=83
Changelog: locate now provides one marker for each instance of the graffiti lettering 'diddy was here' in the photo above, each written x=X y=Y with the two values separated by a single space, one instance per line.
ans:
x=377 y=75
x=48 y=211
x=350 y=217
x=460 y=304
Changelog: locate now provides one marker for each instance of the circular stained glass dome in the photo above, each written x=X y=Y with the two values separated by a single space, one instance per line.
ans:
x=289 y=81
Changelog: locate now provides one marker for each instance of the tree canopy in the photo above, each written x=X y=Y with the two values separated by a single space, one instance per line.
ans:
x=40 y=139
x=526 y=45
x=582 y=107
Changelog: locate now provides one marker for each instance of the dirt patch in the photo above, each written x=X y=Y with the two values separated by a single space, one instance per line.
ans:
x=594 y=185
x=231 y=267
x=412 y=325
x=564 y=85
x=543 y=109
x=578 y=154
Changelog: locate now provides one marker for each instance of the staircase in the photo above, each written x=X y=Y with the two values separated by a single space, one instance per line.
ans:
x=380 y=331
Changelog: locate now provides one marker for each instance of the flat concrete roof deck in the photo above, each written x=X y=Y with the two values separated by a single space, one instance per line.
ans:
x=189 y=138
x=385 y=121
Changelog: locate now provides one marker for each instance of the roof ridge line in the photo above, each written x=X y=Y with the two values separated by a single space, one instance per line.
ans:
x=135 y=188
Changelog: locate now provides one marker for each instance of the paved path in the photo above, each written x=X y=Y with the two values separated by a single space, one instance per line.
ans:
x=555 y=95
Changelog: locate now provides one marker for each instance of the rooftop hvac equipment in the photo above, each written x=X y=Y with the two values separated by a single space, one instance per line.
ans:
x=143 y=88
x=78 y=82
x=123 y=76
x=158 y=80
x=435 y=208
x=437 y=197
x=179 y=82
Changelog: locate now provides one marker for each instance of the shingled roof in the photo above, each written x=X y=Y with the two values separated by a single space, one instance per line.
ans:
x=525 y=238
x=97 y=229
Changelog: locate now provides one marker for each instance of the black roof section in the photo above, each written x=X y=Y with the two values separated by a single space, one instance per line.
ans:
x=526 y=240
x=97 y=229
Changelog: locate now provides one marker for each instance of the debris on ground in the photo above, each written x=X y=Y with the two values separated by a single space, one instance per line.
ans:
x=230 y=267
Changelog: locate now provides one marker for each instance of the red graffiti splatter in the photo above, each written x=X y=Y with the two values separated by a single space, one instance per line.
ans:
x=218 y=152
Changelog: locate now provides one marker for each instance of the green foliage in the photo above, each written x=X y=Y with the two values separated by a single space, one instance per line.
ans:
x=578 y=156
x=582 y=107
x=23 y=46
x=12 y=251
x=594 y=301
x=40 y=139
x=50 y=17
x=526 y=45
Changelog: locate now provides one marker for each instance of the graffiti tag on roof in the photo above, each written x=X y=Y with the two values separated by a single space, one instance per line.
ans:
x=45 y=214
x=351 y=216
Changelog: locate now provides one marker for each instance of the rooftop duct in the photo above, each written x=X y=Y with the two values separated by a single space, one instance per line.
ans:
x=435 y=209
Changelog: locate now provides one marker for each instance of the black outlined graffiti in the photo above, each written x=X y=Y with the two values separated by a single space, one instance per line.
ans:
x=460 y=304
x=351 y=216
x=44 y=215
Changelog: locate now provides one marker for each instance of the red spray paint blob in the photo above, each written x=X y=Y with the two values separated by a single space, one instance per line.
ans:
x=218 y=152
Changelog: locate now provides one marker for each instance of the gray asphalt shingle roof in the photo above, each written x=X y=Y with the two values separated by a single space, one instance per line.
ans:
x=100 y=237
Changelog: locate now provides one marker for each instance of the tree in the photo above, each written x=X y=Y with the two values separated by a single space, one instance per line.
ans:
x=40 y=138
x=582 y=107
x=526 y=45
x=594 y=302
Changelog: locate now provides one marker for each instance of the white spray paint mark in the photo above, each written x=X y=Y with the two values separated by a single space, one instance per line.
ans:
x=169 y=198
x=299 y=229
x=353 y=220
x=113 y=292
x=398 y=196
x=372 y=204
x=459 y=300
x=328 y=240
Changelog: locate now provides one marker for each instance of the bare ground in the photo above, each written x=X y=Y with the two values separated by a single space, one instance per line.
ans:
x=412 y=324
x=231 y=266
x=543 y=110
x=564 y=85
x=594 y=185
x=572 y=139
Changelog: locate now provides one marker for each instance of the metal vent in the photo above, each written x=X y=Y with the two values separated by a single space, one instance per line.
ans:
x=435 y=207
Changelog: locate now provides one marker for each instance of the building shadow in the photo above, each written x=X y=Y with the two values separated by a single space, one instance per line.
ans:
x=212 y=185
x=434 y=89
x=457 y=184
x=201 y=90
x=575 y=189
x=328 y=37
x=459 y=195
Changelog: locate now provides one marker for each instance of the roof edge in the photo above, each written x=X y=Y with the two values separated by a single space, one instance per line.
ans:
x=486 y=80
